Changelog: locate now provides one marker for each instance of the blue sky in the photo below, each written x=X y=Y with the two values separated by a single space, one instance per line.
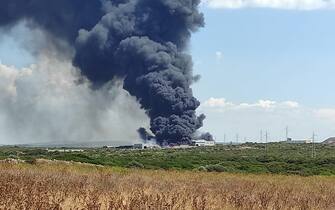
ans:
x=266 y=53
x=11 y=50
x=257 y=53
x=264 y=66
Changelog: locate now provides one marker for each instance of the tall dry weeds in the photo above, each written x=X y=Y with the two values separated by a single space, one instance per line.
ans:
x=69 y=186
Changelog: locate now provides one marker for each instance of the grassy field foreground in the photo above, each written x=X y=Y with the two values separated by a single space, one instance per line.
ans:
x=61 y=185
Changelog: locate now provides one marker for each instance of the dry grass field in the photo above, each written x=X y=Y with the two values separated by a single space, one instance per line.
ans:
x=60 y=185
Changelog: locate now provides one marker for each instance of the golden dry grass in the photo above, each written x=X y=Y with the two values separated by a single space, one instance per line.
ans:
x=59 y=185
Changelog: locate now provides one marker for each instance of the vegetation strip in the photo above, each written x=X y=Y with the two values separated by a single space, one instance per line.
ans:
x=279 y=158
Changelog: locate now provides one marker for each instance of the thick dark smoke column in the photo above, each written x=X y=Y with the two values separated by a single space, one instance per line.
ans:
x=141 y=41
x=61 y=18
x=206 y=136
x=144 y=135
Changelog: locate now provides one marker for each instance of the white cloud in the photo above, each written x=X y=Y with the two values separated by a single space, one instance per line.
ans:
x=276 y=4
x=266 y=104
x=219 y=55
x=326 y=113
x=219 y=103
x=291 y=104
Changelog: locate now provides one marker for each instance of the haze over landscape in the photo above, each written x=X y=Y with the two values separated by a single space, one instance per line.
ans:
x=264 y=65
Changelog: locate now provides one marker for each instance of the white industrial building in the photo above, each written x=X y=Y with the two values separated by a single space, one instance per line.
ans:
x=203 y=143
x=304 y=141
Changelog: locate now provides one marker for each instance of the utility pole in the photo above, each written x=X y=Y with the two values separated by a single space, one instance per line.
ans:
x=266 y=137
x=286 y=133
x=313 y=146
x=266 y=143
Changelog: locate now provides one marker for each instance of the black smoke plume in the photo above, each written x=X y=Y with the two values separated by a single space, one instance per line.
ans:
x=143 y=42
x=145 y=135
x=206 y=136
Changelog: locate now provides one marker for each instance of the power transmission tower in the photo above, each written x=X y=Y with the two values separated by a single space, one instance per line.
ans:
x=313 y=146
x=286 y=133
x=266 y=143
x=261 y=136
x=266 y=137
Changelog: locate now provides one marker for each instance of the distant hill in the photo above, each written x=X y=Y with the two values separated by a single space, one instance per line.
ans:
x=329 y=141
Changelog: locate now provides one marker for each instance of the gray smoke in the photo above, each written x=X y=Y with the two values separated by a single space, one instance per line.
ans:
x=142 y=42
x=43 y=103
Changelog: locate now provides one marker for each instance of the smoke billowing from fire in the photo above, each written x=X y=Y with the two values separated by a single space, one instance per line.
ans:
x=42 y=104
x=142 y=42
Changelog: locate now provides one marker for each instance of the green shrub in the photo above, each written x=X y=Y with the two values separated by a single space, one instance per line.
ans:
x=135 y=164
x=215 y=168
